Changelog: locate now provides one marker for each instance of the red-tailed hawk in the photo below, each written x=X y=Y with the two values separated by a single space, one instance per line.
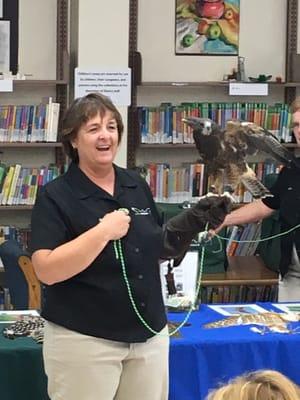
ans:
x=224 y=152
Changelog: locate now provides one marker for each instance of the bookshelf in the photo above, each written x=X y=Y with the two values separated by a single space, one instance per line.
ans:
x=242 y=270
x=30 y=145
x=246 y=280
x=214 y=84
x=177 y=86
x=47 y=76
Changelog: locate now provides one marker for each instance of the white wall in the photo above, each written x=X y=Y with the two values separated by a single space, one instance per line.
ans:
x=103 y=43
x=37 y=38
x=262 y=42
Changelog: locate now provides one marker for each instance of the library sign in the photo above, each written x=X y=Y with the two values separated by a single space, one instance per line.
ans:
x=114 y=83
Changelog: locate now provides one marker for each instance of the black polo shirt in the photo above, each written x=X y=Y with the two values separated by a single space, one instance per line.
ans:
x=286 y=199
x=95 y=302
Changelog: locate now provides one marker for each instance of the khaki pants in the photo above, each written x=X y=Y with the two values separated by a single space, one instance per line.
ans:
x=81 y=367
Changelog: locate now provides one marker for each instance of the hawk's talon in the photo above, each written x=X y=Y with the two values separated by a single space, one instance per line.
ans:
x=204 y=238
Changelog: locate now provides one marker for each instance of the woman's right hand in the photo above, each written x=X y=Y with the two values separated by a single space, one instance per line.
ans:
x=115 y=224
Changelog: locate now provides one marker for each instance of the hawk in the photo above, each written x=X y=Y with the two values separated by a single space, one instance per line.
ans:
x=224 y=152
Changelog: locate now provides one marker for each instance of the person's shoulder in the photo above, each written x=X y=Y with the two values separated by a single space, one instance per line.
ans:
x=130 y=174
x=54 y=187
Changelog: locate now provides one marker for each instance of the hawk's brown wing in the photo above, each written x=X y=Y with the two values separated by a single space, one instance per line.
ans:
x=263 y=140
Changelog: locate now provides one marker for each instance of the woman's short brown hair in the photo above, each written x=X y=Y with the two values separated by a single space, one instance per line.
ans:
x=80 y=111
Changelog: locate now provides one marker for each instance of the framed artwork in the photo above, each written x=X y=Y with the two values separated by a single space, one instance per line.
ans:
x=288 y=307
x=237 y=309
x=207 y=27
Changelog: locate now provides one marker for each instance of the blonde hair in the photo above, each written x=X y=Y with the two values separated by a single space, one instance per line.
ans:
x=259 y=385
x=295 y=106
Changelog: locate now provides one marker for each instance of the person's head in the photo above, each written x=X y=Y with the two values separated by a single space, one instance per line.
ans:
x=295 y=108
x=259 y=385
x=91 y=131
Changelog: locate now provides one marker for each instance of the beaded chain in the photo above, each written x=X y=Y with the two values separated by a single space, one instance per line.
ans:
x=119 y=256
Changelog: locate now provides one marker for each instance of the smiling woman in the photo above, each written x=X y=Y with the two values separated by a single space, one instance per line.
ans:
x=81 y=112
x=78 y=221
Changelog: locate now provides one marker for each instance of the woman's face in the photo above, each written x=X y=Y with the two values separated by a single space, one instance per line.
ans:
x=97 y=141
x=296 y=126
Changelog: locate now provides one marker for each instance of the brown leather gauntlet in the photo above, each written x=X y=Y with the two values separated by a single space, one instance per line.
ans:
x=180 y=230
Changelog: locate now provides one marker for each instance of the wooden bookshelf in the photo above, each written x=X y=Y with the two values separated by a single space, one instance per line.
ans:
x=242 y=270
x=31 y=91
x=191 y=146
x=212 y=84
x=39 y=82
x=16 y=208
x=30 y=144
x=167 y=146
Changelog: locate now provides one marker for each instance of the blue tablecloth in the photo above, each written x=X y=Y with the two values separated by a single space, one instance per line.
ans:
x=203 y=358
x=199 y=360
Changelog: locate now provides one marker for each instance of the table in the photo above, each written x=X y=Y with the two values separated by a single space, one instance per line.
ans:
x=199 y=360
x=204 y=358
x=22 y=375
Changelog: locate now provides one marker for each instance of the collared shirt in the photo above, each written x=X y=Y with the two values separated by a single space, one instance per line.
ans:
x=286 y=199
x=96 y=302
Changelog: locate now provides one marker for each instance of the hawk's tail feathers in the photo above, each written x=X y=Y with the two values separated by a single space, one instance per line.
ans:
x=255 y=187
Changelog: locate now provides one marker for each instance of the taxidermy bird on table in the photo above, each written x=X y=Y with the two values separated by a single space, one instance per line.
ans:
x=224 y=152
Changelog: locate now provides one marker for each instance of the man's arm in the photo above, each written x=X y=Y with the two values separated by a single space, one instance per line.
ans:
x=251 y=212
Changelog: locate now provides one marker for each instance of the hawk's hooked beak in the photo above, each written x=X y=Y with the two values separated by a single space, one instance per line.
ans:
x=201 y=125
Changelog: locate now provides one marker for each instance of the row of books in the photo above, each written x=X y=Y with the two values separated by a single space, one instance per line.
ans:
x=175 y=184
x=5 y=300
x=29 y=123
x=19 y=185
x=238 y=293
x=163 y=124
x=20 y=235
x=243 y=239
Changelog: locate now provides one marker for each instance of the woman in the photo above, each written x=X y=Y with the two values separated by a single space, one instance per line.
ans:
x=95 y=346
x=286 y=199
x=259 y=385
x=296 y=119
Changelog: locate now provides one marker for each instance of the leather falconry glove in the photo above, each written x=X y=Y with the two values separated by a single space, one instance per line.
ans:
x=180 y=230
